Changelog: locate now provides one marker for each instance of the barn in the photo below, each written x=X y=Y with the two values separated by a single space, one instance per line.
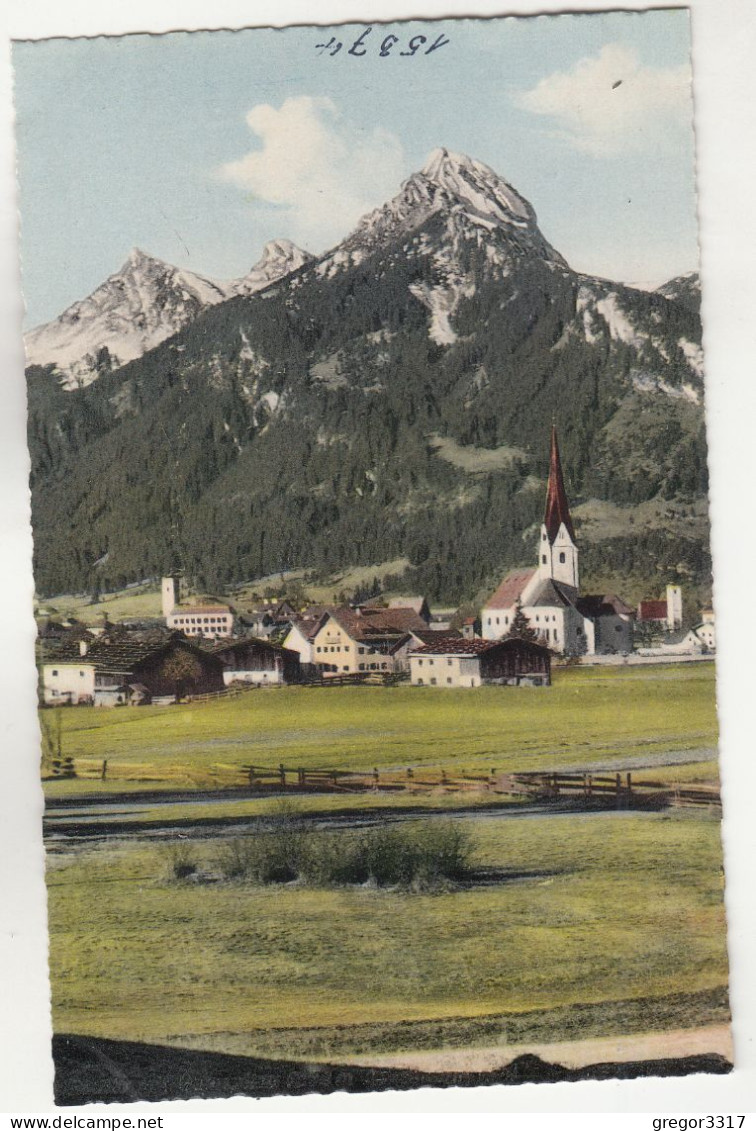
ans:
x=120 y=671
x=250 y=660
x=458 y=662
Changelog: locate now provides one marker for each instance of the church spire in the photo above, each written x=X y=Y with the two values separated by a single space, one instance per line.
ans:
x=557 y=506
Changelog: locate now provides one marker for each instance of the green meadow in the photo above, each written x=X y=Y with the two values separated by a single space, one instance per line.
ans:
x=597 y=924
x=613 y=717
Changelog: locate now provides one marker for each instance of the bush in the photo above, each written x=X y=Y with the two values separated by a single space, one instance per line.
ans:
x=183 y=863
x=275 y=855
x=422 y=855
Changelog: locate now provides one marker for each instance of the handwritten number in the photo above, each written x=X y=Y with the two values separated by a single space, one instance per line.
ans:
x=440 y=42
x=324 y=46
x=358 y=43
x=415 y=44
x=388 y=43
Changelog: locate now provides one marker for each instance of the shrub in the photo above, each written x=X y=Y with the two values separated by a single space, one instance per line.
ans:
x=277 y=854
x=183 y=862
x=421 y=855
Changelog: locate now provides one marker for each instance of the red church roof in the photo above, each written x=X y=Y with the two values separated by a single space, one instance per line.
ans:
x=557 y=506
x=510 y=589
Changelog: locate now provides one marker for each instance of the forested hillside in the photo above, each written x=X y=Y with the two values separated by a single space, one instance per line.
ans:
x=392 y=399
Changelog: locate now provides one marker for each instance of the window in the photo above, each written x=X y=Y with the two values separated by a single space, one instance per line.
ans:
x=543 y=558
x=497 y=620
x=555 y=635
x=489 y=622
x=433 y=681
x=448 y=679
x=361 y=651
x=318 y=648
x=579 y=631
x=345 y=668
x=419 y=683
x=55 y=672
x=420 y=662
x=563 y=557
x=362 y=667
x=548 y=630
x=506 y=620
x=449 y=662
x=81 y=675
x=538 y=618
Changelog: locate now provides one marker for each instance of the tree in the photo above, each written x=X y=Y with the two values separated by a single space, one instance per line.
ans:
x=182 y=669
x=520 y=628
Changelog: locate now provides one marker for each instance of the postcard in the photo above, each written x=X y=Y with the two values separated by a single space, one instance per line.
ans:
x=373 y=586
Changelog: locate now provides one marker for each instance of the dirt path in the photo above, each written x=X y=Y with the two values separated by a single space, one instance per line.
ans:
x=570 y=1054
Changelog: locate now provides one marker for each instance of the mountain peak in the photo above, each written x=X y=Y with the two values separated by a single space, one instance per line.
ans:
x=441 y=159
x=279 y=258
x=477 y=187
x=137 y=258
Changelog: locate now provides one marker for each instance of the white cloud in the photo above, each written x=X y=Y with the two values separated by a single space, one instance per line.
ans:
x=322 y=171
x=611 y=104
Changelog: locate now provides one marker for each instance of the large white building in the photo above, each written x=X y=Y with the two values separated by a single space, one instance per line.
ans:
x=549 y=595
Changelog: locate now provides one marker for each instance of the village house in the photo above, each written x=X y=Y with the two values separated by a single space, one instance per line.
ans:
x=665 y=615
x=549 y=595
x=365 y=639
x=248 y=660
x=300 y=635
x=269 y=619
x=460 y=662
x=694 y=641
x=111 y=672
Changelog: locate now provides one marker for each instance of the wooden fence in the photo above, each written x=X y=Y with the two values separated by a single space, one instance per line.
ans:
x=621 y=788
x=618 y=790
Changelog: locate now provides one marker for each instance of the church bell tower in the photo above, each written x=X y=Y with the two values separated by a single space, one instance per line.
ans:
x=557 y=549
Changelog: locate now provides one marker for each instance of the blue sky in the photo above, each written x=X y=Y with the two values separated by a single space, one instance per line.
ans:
x=200 y=147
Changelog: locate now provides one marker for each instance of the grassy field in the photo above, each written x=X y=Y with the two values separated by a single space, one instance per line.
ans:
x=610 y=908
x=616 y=717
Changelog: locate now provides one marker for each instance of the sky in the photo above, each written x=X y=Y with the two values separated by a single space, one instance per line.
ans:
x=200 y=147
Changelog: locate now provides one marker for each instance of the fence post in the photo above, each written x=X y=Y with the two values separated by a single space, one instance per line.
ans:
x=104 y=773
x=629 y=788
x=618 y=789
x=282 y=775
x=301 y=776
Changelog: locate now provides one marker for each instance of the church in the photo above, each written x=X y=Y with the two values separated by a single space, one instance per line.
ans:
x=549 y=595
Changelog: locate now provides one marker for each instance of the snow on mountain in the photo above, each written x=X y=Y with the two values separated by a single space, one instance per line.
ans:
x=279 y=258
x=464 y=190
x=138 y=307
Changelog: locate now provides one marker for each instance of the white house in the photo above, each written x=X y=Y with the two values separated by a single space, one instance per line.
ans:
x=69 y=682
x=299 y=637
x=209 y=621
x=549 y=595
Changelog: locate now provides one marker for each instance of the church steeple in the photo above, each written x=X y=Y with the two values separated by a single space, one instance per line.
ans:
x=557 y=506
x=558 y=552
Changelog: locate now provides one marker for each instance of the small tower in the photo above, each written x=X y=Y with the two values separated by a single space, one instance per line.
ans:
x=171 y=593
x=674 y=607
x=557 y=549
